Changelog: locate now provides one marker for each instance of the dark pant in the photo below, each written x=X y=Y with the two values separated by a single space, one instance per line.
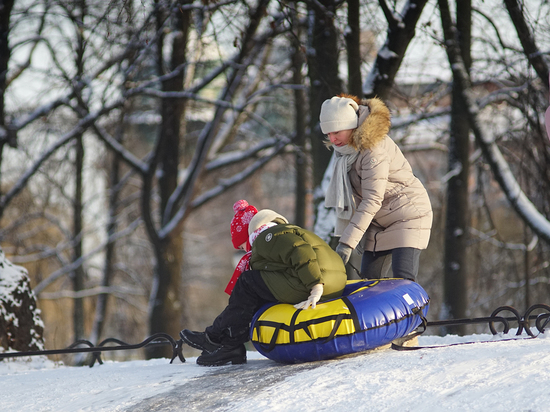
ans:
x=231 y=327
x=403 y=261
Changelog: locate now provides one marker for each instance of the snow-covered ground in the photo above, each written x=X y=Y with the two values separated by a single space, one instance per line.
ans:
x=502 y=375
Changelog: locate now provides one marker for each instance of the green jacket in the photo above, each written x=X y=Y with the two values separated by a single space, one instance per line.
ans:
x=292 y=260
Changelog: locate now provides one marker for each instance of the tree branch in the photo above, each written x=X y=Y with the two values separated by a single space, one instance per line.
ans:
x=63 y=140
x=500 y=168
x=530 y=48
x=80 y=261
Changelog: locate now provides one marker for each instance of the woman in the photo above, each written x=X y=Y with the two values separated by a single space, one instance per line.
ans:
x=288 y=264
x=378 y=200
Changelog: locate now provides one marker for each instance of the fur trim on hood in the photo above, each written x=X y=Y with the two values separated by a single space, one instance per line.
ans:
x=374 y=124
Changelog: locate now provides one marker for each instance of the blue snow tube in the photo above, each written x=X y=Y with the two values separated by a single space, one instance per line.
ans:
x=370 y=314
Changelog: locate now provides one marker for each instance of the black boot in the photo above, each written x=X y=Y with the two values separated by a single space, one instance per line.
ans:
x=224 y=355
x=199 y=340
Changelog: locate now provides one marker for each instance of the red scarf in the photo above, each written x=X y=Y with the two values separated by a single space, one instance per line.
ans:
x=243 y=265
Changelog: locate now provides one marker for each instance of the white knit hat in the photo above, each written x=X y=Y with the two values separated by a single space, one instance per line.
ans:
x=262 y=217
x=338 y=113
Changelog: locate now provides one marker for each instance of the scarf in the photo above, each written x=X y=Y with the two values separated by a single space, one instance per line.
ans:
x=242 y=266
x=244 y=263
x=339 y=191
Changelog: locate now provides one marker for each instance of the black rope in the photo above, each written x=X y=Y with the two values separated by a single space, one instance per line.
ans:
x=522 y=321
x=473 y=321
x=398 y=347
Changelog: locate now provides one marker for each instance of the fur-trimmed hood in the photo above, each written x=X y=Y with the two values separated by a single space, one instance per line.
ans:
x=374 y=124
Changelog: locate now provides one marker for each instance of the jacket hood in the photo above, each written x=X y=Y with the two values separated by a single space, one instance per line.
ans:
x=374 y=124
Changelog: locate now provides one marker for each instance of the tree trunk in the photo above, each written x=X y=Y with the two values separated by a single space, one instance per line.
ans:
x=400 y=33
x=353 y=47
x=110 y=250
x=324 y=79
x=5 y=53
x=102 y=299
x=166 y=310
x=530 y=49
x=78 y=273
x=527 y=266
x=457 y=219
x=300 y=114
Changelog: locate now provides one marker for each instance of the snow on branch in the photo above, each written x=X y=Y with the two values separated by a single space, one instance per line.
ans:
x=223 y=185
x=230 y=158
x=80 y=261
x=498 y=164
x=63 y=140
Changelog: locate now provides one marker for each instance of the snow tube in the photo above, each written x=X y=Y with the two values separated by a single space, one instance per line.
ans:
x=370 y=313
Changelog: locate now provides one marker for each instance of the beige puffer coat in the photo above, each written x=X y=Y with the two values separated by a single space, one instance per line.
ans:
x=392 y=206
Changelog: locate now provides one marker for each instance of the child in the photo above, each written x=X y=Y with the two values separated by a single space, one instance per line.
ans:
x=288 y=264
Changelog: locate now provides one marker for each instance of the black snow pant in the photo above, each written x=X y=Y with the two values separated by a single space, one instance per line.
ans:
x=403 y=261
x=231 y=327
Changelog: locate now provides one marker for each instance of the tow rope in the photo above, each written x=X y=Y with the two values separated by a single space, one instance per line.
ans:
x=523 y=322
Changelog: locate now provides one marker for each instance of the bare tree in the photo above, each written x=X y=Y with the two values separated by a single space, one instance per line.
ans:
x=501 y=168
x=185 y=101
x=298 y=61
x=401 y=30
x=324 y=77
x=95 y=109
x=6 y=136
x=530 y=49
x=458 y=219
x=353 y=49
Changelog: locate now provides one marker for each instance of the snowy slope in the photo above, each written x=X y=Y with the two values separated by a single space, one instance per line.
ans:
x=503 y=375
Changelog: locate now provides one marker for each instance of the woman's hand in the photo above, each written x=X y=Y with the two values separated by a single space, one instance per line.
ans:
x=344 y=251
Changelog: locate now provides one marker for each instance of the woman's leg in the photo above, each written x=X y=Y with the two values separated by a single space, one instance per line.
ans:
x=375 y=265
x=403 y=262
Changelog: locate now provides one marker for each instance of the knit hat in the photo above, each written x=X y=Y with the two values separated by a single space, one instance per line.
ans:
x=239 y=224
x=338 y=113
x=265 y=216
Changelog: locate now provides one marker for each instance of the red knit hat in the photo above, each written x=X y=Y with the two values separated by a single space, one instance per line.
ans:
x=239 y=224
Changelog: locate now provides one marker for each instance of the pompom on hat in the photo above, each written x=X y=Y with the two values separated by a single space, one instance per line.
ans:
x=338 y=113
x=239 y=224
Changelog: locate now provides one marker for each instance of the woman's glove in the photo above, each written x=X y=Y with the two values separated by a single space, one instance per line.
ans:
x=344 y=251
x=314 y=296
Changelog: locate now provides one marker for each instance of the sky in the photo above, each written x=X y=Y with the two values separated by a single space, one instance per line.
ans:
x=490 y=373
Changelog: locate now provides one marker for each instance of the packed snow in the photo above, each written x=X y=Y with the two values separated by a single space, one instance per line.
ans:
x=491 y=373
